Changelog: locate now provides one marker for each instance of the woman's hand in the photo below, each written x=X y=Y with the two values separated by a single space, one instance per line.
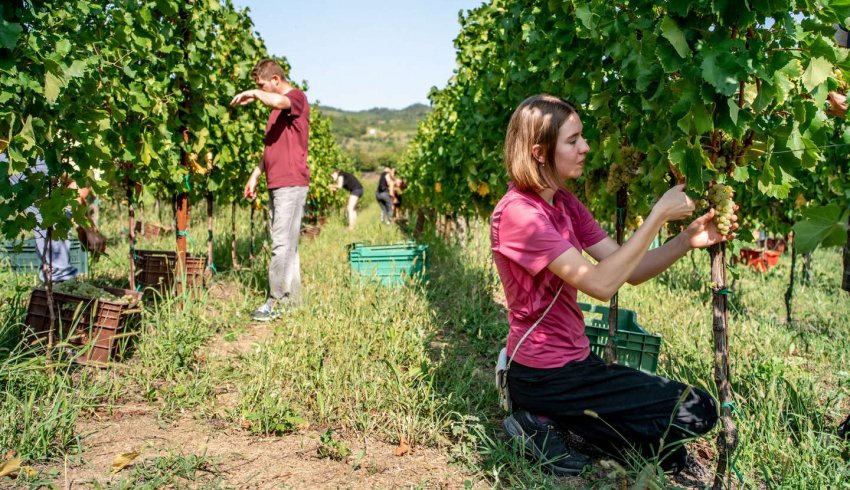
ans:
x=675 y=204
x=702 y=232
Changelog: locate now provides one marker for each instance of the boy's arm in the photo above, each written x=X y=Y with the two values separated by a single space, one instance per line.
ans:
x=269 y=99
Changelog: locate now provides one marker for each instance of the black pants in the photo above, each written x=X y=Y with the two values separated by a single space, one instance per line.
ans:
x=616 y=408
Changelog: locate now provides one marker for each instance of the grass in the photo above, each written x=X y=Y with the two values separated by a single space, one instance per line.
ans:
x=415 y=363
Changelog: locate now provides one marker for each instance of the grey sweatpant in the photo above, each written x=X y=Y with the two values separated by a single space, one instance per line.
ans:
x=286 y=208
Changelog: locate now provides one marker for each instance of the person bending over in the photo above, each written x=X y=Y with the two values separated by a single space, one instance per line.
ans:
x=344 y=180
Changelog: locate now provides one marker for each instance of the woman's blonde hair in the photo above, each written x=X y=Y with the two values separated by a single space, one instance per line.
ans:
x=536 y=121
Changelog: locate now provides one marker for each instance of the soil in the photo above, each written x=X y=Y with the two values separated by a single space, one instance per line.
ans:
x=241 y=460
x=237 y=458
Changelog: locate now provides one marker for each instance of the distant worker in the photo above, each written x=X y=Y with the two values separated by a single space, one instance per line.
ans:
x=59 y=259
x=384 y=194
x=344 y=180
x=399 y=186
x=285 y=165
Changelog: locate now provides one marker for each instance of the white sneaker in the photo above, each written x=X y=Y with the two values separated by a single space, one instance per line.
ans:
x=264 y=314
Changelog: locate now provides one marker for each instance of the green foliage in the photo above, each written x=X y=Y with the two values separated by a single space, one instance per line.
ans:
x=354 y=124
x=136 y=90
x=826 y=226
x=713 y=92
x=331 y=448
x=376 y=138
x=273 y=416
x=323 y=156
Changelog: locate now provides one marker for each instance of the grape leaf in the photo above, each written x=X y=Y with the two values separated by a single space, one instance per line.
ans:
x=821 y=226
x=9 y=33
x=586 y=16
x=715 y=70
x=671 y=32
x=52 y=85
x=816 y=73
x=691 y=161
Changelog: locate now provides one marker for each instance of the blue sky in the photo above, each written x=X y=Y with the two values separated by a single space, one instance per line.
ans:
x=357 y=55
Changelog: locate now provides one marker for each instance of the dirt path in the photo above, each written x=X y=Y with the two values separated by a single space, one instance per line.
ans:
x=228 y=456
x=240 y=460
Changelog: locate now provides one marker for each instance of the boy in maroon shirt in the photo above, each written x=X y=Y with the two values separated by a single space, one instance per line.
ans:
x=285 y=165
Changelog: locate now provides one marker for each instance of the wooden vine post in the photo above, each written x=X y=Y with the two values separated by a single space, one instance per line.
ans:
x=233 y=256
x=614 y=307
x=131 y=223
x=181 y=212
x=251 y=238
x=181 y=216
x=845 y=281
x=210 y=262
x=47 y=270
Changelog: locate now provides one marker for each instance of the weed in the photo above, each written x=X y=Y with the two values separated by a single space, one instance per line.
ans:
x=331 y=448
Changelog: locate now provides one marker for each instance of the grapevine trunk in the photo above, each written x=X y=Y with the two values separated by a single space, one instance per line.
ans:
x=845 y=282
x=210 y=263
x=789 y=293
x=727 y=440
x=614 y=307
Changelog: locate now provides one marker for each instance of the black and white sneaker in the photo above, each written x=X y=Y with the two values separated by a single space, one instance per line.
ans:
x=543 y=442
x=264 y=314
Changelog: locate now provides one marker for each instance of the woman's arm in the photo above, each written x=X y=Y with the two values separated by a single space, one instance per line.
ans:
x=604 y=279
x=653 y=263
x=700 y=233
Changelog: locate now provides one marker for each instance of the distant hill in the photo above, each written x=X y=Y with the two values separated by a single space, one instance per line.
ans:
x=375 y=137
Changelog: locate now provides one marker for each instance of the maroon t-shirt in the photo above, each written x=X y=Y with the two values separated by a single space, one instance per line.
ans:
x=285 y=155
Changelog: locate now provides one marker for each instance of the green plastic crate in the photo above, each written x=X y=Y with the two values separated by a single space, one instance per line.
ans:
x=636 y=347
x=392 y=265
x=25 y=258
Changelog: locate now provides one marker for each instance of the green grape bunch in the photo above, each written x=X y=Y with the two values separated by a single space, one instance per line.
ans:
x=77 y=287
x=626 y=171
x=720 y=198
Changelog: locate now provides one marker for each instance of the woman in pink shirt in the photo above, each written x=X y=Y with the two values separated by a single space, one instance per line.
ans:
x=538 y=233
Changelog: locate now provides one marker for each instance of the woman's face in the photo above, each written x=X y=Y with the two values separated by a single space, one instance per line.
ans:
x=570 y=149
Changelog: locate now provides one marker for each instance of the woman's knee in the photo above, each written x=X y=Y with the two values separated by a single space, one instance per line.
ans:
x=699 y=412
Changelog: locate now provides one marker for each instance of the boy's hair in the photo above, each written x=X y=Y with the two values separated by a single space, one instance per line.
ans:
x=536 y=121
x=266 y=69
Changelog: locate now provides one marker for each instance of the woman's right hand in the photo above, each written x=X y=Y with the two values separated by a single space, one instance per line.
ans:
x=675 y=204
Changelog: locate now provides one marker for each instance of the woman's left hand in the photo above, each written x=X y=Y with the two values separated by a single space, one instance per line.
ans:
x=702 y=232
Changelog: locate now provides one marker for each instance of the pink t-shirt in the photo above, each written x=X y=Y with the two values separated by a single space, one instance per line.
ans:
x=526 y=235
x=285 y=155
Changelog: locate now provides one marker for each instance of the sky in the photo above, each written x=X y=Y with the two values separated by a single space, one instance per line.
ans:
x=360 y=54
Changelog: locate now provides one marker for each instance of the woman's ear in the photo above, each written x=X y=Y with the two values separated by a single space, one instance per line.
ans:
x=537 y=153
